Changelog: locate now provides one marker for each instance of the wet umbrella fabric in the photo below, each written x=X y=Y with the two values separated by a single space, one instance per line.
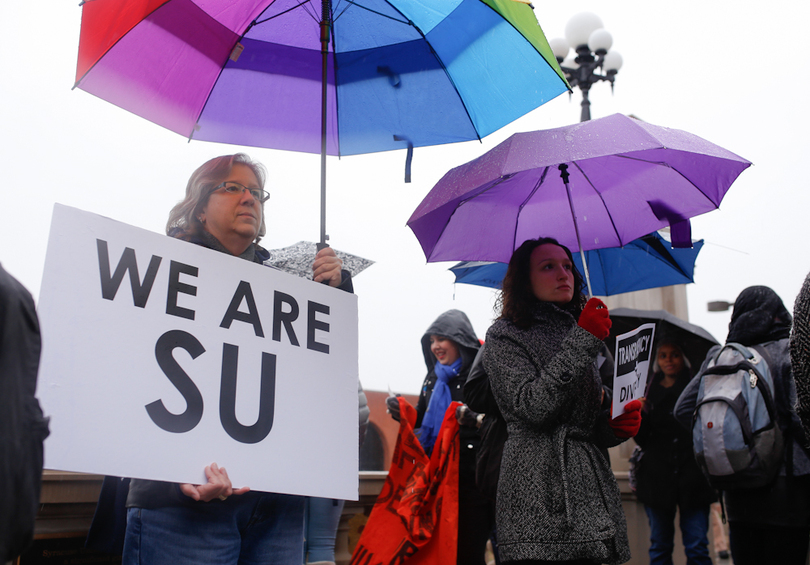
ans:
x=628 y=178
x=694 y=340
x=296 y=259
x=647 y=262
x=389 y=74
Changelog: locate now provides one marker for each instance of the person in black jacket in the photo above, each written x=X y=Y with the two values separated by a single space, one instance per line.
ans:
x=23 y=428
x=449 y=346
x=668 y=477
x=769 y=524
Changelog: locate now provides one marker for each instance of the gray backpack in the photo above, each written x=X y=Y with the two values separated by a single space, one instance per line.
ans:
x=735 y=435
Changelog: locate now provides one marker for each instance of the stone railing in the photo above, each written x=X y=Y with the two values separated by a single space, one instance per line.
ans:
x=68 y=502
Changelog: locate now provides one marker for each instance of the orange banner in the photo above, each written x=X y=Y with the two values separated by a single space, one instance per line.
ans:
x=415 y=517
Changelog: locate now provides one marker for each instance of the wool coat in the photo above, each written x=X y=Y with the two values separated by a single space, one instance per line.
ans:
x=557 y=496
x=800 y=354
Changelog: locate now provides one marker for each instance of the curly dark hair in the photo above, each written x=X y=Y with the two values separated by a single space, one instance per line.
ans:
x=517 y=298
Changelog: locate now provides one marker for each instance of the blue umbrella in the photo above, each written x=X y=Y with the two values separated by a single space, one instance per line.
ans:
x=647 y=262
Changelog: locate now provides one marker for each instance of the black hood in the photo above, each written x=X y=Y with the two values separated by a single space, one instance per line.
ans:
x=455 y=325
x=759 y=316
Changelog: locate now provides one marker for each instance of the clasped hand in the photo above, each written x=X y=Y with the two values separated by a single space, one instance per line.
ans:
x=218 y=486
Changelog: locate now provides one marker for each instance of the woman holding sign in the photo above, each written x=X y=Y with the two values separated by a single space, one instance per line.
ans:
x=558 y=501
x=223 y=210
x=668 y=479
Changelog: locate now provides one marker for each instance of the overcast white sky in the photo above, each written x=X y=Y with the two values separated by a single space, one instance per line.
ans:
x=731 y=72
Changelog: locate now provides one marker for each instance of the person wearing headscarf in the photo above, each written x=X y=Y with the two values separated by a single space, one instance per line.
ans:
x=769 y=524
x=449 y=346
x=800 y=354
x=668 y=478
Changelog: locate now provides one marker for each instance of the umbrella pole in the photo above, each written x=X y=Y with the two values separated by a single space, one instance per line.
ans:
x=326 y=22
x=564 y=174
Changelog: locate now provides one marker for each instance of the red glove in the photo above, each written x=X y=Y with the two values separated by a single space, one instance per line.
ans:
x=626 y=425
x=595 y=318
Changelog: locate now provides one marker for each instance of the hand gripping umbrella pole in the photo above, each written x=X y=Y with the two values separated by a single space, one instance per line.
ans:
x=564 y=175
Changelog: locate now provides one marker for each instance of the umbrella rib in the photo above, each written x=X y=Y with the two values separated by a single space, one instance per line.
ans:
x=607 y=210
x=408 y=22
x=526 y=201
x=250 y=26
x=495 y=183
x=257 y=22
x=662 y=250
x=114 y=44
x=670 y=167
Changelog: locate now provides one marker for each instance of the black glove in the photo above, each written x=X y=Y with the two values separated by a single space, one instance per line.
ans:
x=393 y=406
x=467 y=417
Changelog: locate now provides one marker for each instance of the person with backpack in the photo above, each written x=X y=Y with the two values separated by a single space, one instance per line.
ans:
x=668 y=479
x=768 y=523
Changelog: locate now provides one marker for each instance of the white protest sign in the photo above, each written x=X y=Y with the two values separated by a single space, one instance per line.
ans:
x=160 y=357
x=633 y=355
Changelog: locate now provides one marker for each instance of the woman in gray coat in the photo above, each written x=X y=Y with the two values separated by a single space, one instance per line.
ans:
x=558 y=501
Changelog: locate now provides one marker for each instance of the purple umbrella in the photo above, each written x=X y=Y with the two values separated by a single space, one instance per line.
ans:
x=627 y=179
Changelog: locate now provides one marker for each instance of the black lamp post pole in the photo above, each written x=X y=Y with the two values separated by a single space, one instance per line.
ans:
x=586 y=75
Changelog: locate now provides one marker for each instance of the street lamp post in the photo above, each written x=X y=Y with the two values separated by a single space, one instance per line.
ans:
x=591 y=43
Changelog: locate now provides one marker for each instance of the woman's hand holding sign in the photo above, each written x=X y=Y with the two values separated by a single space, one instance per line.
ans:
x=626 y=425
x=218 y=486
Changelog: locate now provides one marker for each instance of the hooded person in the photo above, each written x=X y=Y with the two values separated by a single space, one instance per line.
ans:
x=449 y=346
x=769 y=524
x=668 y=478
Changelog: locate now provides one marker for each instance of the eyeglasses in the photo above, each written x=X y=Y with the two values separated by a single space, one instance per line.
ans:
x=235 y=188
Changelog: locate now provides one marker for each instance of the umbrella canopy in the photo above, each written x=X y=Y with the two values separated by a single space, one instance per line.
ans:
x=647 y=262
x=628 y=178
x=694 y=340
x=339 y=77
x=296 y=259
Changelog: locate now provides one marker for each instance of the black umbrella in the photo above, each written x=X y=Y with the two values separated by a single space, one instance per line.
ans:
x=694 y=340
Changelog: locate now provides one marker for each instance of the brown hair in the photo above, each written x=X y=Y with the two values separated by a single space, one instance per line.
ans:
x=184 y=221
x=517 y=298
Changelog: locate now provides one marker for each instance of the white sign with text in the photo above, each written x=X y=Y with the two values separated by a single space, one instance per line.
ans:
x=632 y=364
x=160 y=357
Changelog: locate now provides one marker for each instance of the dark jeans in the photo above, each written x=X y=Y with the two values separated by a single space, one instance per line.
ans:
x=254 y=530
x=694 y=528
x=754 y=544
x=475 y=523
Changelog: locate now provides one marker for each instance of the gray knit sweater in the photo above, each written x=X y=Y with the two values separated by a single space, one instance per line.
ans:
x=557 y=496
x=800 y=354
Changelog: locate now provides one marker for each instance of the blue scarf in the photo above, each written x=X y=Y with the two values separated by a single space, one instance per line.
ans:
x=439 y=401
